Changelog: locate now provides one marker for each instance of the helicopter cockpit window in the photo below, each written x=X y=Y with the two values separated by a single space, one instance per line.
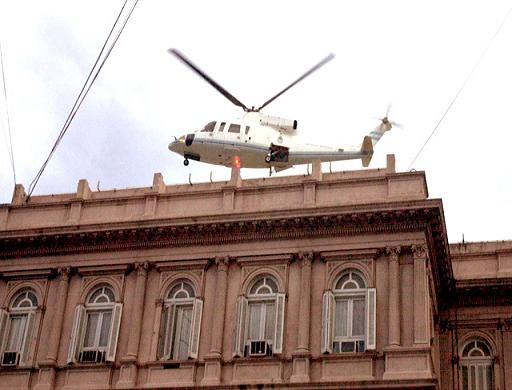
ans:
x=208 y=128
x=221 y=128
x=234 y=128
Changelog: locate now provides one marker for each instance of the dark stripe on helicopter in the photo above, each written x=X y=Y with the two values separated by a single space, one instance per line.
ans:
x=243 y=145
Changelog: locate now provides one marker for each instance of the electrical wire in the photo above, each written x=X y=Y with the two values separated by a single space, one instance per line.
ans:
x=9 y=148
x=461 y=88
x=93 y=74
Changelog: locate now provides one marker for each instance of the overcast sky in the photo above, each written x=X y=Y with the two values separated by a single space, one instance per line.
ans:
x=415 y=55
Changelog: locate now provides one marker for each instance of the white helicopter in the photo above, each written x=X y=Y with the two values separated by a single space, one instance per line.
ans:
x=260 y=141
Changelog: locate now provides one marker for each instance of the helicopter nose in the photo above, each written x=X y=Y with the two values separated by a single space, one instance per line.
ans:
x=174 y=145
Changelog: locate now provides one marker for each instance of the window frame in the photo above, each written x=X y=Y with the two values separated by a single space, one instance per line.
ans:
x=242 y=340
x=167 y=338
x=81 y=323
x=486 y=362
x=332 y=343
x=27 y=315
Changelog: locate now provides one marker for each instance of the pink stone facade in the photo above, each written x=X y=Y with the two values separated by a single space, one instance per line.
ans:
x=317 y=281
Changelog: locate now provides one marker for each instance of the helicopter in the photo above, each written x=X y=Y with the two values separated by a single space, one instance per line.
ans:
x=257 y=140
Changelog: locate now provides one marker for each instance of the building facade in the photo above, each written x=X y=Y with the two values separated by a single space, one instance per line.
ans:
x=315 y=281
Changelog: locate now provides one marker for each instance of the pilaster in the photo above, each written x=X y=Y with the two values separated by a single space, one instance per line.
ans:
x=421 y=308
x=128 y=372
x=213 y=361
x=394 y=296
x=47 y=368
x=302 y=355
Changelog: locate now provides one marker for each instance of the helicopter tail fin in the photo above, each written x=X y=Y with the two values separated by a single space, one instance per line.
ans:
x=367 y=150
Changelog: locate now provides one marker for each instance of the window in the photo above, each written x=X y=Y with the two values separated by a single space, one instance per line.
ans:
x=260 y=319
x=221 y=128
x=234 y=128
x=16 y=326
x=247 y=130
x=476 y=365
x=180 y=324
x=348 y=323
x=209 y=127
x=96 y=328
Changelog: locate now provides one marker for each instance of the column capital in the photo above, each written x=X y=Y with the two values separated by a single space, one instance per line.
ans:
x=222 y=263
x=393 y=252
x=141 y=268
x=305 y=258
x=419 y=251
x=64 y=273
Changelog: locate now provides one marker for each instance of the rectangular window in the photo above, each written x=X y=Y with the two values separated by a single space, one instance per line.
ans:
x=234 y=128
x=247 y=130
x=182 y=328
x=94 y=334
x=221 y=128
x=15 y=335
x=97 y=330
x=16 y=330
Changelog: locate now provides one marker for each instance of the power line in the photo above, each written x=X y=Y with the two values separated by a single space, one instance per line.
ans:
x=93 y=74
x=9 y=148
x=461 y=88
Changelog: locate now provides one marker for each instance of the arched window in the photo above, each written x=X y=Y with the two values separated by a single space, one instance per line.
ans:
x=96 y=327
x=16 y=327
x=476 y=365
x=349 y=315
x=180 y=323
x=260 y=319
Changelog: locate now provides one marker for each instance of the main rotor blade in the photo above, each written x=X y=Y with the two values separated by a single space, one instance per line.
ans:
x=314 y=68
x=212 y=82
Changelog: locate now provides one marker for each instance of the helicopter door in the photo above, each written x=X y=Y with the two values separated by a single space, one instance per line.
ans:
x=245 y=133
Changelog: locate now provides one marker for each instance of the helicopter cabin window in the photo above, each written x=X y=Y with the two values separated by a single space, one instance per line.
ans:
x=209 y=127
x=221 y=128
x=247 y=130
x=234 y=128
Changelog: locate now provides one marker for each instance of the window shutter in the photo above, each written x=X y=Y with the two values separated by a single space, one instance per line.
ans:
x=196 y=328
x=164 y=334
x=27 y=338
x=327 y=319
x=371 y=297
x=76 y=331
x=278 y=339
x=4 y=321
x=114 y=332
x=241 y=315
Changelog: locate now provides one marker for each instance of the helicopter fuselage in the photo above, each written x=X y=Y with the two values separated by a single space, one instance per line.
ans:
x=256 y=145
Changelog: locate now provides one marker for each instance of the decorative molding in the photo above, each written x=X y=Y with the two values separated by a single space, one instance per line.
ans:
x=306 y=258
x=222 y=263
x=278 y=271
x=15 y=286
x=182 y=265
x=141 y=268
x=412 y=216
x=284 y=258
x=168 y=278
x=47 y=273
x=393 y=253
x=483 y=292
x=91 y=281
x=64 y=273
x=350 y=254
x=419 y=251
x=110 y=269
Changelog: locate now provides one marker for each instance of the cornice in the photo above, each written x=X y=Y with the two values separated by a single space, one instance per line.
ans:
x=170 y=234
x=483 y=292
x=336 y=221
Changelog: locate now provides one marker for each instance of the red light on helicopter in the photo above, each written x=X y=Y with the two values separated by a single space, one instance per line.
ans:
x=237 y=162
